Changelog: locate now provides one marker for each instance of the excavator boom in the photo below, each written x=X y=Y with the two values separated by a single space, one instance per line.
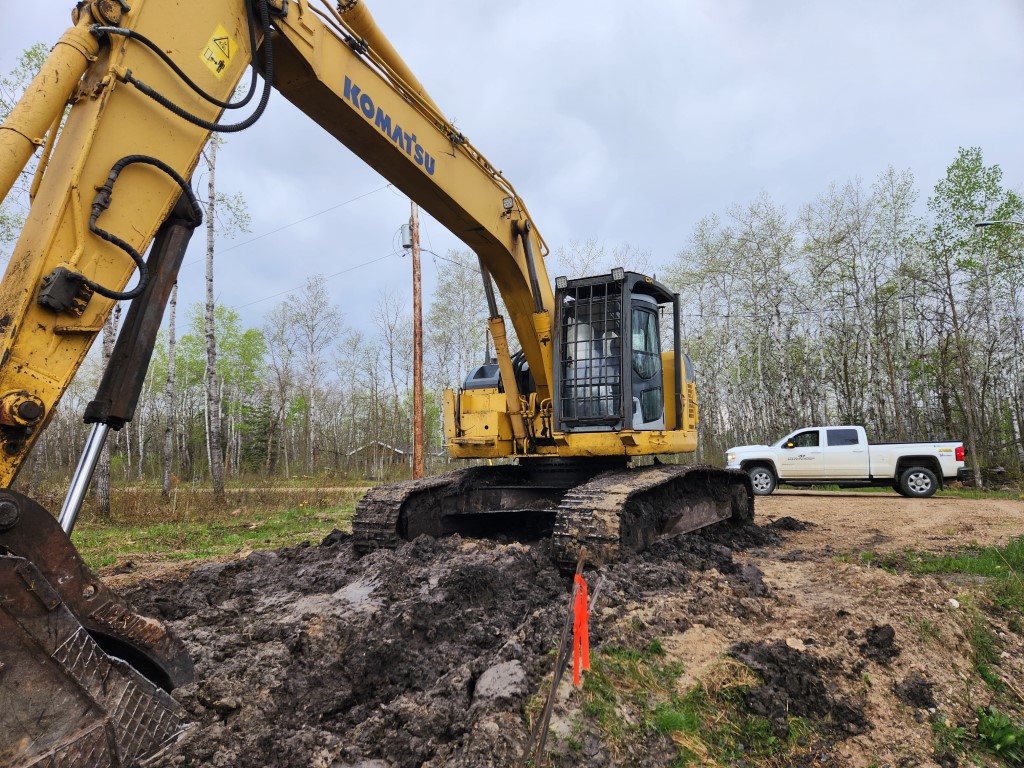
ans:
x=84 y=680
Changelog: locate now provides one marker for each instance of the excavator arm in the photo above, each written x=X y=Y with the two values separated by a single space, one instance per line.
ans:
x=74 y=257
x=84 y=680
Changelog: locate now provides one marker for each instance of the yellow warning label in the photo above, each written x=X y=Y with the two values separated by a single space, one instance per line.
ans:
x=219 y=51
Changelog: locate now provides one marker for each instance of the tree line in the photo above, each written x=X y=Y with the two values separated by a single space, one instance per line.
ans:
x=862 y=307
x=870 y=304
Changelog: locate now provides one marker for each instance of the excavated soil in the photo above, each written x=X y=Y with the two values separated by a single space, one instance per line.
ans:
x=430 y=654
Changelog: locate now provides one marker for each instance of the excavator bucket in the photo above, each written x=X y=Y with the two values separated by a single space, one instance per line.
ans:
x=84 y=680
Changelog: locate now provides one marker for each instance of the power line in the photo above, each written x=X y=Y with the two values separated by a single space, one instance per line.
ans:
x=291 y=224
x=326 y=277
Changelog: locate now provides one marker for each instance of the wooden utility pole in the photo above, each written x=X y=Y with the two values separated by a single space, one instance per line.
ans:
x=417 y=348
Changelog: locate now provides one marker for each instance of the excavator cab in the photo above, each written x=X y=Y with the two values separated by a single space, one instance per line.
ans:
x=609 y=374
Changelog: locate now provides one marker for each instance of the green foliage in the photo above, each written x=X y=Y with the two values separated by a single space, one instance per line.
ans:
x=859 y=310
x=1001 y=736
x=240 y=351
x=948 y=738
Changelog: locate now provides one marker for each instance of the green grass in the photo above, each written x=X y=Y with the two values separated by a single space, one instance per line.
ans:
x=631 y=695
x=1002 y=566
x=714 y=724
x=948 y=738
x=979 y=493
x=103 y=544
x=1001 y=574
x=622 y=675
x=996 y=733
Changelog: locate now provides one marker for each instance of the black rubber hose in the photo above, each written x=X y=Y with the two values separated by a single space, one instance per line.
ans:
x=268 y=78
x=102 y=201
x=131 y=34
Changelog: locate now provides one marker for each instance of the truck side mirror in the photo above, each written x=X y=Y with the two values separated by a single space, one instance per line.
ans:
x=790 y=444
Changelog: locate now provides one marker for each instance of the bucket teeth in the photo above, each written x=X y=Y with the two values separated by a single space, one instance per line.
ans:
x=63 y=701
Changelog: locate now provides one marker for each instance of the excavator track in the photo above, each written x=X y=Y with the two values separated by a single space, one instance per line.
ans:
x=611 y=513
x=628 y=510
x=375 y=524
x=477 y=502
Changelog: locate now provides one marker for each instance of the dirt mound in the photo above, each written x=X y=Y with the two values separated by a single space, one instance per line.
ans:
x=793 y=684
x=311 y=656
x=425 y=655
x=435 y=654
x=915 y=691
x=880 y=644
x=788 y=523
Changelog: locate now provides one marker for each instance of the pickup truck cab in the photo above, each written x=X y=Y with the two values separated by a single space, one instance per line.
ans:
x=842 y=456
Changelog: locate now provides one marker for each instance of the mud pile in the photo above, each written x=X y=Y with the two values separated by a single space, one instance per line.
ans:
x=426 y=655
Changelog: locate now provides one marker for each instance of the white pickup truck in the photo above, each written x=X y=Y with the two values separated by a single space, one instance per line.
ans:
x=841 y=456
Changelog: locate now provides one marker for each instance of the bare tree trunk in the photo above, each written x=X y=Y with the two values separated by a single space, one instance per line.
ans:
x=102 y=476
x=1015 y=426
x=970 y=412
x=169 y=396
x=212 y=391
x=140 y=433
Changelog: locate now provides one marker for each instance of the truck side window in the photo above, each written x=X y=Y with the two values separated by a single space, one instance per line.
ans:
x=805 y=439
x=842 y=437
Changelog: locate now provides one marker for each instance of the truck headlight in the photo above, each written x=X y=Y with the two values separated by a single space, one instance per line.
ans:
x=730 y=457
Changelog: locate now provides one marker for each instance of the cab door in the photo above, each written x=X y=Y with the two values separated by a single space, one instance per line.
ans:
x=846 y=456
x=802 y=456
x=647 y=389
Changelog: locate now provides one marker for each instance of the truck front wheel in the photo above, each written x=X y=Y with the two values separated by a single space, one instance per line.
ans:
x=763 y=480
x=918 y=482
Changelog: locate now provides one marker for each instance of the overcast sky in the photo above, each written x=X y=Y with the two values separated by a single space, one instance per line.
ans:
x=622 y=122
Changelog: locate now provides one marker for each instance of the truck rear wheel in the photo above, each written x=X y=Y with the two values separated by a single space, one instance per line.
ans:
x=763 y=480
x=918 y=482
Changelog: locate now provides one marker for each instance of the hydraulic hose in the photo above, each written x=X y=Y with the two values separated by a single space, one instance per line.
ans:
x=102 y=201
x=268 y=78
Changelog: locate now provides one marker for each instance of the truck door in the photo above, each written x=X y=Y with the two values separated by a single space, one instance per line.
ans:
x=802 y=456
x=846 y=455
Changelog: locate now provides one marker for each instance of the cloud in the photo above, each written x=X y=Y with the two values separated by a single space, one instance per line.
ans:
x=623 y=122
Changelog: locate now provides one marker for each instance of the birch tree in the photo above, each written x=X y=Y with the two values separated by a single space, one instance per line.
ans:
x=170 y=404
x=102 y=473
x=235 y=218
x=965 y=277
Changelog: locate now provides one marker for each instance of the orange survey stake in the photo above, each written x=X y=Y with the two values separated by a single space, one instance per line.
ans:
x=580 y=631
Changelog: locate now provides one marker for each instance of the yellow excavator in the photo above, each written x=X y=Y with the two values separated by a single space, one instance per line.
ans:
x=84 y=679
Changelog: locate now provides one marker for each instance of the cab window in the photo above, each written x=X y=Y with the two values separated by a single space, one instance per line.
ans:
x=843 y=437
x=646 y=353
x=804 y=439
